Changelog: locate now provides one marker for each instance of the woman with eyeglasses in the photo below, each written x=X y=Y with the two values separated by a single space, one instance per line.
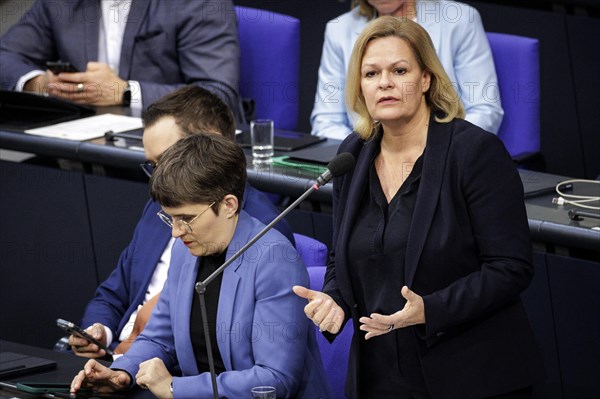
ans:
x=257 y=330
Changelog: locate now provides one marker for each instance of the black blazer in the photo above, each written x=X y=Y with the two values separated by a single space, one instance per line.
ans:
x=468 y=255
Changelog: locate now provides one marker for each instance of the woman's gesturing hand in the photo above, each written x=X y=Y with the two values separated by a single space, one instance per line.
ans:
x=321 y=309
x=412 y=313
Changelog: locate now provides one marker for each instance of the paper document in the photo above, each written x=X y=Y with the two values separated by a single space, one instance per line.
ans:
x=89 y=128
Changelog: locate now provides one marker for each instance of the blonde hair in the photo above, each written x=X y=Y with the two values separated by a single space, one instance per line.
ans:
x=367 y=10
x=441 y=97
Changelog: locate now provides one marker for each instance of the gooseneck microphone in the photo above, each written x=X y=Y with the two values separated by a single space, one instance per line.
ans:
x=340 y=165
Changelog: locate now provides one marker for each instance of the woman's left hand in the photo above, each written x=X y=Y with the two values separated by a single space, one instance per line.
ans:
x=412 y=313
x=153 y=375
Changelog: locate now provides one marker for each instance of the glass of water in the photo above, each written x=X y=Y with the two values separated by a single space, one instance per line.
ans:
x=264 y=392
x=261 y=137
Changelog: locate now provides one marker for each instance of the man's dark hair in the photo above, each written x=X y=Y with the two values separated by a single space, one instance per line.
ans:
x=195 y=110
x=199 y=169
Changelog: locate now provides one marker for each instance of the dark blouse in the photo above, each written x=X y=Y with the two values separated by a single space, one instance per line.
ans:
x=388 y=364
x=207 y=265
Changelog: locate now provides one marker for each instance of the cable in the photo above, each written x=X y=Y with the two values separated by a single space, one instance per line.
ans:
x=576 y=200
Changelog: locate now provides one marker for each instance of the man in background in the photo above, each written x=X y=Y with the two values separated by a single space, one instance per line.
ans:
x=126 y=52
x=142 y=268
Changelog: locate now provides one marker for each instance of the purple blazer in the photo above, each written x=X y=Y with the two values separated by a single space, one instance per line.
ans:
x=263 y=336
x=121 y=293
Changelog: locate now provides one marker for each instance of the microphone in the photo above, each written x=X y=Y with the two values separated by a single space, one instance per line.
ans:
x=112 y=136
x=338 y=166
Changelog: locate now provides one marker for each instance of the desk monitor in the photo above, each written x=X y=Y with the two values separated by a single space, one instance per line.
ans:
x=16 y=364
x=21 y=111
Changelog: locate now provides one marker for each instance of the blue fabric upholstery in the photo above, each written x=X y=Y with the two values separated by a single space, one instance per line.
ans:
x=517 y=65
x=312 y=252
x=334 y=355
x=269 y=64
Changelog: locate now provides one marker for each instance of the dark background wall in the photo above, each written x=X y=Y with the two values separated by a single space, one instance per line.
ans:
x=568 y=30
x=569 y=33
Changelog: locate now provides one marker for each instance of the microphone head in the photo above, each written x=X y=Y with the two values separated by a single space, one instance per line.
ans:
x=341 y=164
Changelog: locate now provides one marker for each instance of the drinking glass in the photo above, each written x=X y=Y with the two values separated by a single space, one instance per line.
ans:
x=264 y=392
x=261 y=137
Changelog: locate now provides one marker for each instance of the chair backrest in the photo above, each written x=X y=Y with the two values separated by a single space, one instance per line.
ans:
x=269 y=64
x=517 y=65
x=334 y=355
x=312 y=252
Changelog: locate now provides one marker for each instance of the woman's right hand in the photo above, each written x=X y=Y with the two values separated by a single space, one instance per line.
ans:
x=100 y=378
x=321 y=309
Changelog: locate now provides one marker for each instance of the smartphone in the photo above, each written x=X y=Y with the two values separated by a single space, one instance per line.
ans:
x=60 y=66
x=45 y=387
x=74 y=329
x=85 y=394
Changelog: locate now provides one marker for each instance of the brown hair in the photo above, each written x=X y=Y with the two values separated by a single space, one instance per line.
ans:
x=441 y=96
x=195 y=110
x=199 y=169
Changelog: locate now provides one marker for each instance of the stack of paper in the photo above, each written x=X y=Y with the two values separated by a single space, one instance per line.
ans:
x=89 y=128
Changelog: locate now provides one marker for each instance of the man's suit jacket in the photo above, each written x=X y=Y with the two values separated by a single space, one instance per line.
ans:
x=263 y=336
x=166 y=44
x=121 y=293
x=460 y=43
x=468 y=255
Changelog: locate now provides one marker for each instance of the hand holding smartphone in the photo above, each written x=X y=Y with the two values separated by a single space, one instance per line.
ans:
x=74 y=329
x=60 y=66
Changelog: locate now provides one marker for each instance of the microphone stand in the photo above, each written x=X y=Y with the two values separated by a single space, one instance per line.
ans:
x=200 y=286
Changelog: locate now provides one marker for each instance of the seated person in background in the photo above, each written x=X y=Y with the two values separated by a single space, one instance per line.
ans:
x=140 y=274
x=256 y=323
x=431 y=243
x=461 y=45
x=141 y=49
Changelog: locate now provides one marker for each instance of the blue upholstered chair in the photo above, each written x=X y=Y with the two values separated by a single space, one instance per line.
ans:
x=312 y=252
x=334 y=355
x=269 y=64
x=517 y=65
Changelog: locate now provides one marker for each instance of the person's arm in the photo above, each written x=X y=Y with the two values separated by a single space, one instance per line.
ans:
x=330 y=286
x=493 y=193
x=329 y=116
x=475 y=73
x=26 y=46
x=278 y=353
x=207 y=50
x=112 y=298
x=157 y=338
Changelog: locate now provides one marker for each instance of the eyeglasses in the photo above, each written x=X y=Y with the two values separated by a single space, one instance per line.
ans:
x=179 y=222
x=148 y=167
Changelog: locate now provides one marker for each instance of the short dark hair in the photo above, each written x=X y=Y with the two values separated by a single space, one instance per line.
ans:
x=195 y=110
x=199 y=169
